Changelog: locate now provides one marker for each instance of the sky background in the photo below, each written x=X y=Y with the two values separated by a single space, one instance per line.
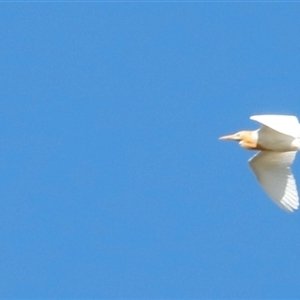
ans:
x=113 y=182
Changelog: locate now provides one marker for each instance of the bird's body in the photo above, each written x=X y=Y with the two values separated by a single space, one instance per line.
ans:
x=278 y=141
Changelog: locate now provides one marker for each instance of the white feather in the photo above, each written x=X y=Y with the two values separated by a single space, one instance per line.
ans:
x=288 y=125
x=272 y=170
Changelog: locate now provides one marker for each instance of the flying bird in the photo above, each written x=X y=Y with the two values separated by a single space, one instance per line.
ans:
x=278 y=141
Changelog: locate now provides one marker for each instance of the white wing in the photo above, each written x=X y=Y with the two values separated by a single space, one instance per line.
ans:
x=288 y=125
x=272 y=170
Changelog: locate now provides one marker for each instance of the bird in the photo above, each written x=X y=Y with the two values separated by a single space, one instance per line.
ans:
x=277 y=140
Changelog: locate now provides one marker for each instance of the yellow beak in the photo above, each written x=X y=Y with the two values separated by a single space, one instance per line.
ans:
x=232 y=137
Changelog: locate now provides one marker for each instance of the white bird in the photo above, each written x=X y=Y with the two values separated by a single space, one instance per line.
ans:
x=278 y=140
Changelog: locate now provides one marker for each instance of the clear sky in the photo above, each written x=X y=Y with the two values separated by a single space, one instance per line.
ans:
x=113 y=181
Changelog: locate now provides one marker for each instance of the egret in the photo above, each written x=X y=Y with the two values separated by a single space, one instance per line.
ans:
x=278 y=140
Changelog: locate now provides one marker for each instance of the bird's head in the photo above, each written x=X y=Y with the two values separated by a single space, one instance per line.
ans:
x=245 y=138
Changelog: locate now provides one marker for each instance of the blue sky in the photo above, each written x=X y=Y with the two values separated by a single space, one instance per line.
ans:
x=113 y=181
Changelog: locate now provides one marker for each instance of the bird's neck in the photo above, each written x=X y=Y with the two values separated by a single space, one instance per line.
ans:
x=250 y=141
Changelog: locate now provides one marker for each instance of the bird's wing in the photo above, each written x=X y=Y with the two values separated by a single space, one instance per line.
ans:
x=272 y=170
x=288 y=125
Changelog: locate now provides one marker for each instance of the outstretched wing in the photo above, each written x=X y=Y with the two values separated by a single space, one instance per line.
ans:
x=272 y=170
x=288 y=125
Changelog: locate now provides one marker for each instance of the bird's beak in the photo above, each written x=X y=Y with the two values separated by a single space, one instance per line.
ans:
x=231 y=137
